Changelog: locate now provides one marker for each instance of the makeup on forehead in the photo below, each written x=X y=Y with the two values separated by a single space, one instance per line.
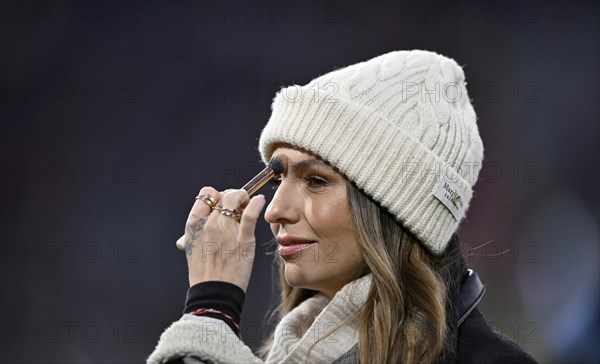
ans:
x=303 y=164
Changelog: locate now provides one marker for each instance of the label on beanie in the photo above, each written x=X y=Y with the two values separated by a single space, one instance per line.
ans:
x=451 y=196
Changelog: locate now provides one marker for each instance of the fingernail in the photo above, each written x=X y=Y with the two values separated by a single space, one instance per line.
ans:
x=261 y=195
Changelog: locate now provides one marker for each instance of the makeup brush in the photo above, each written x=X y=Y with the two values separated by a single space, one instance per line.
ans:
x=276 y=166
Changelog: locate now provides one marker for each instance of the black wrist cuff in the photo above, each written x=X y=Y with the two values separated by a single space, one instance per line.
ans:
x=222 y=296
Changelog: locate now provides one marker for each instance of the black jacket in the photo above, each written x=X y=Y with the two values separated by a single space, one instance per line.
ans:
x=478 y=343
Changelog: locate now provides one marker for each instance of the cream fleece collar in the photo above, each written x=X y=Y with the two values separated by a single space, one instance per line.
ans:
x=307 y=334
x=312 y=333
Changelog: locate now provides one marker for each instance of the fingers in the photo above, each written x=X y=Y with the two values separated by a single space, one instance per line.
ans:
x=203 y=213
x=201 y=208
x=221 y=247
x=232 y=200
x=250 y=217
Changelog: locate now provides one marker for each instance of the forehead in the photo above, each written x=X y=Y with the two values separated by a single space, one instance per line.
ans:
x=296 y=158
x=292 y=154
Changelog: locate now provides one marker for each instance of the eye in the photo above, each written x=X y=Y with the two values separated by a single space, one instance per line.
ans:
x=275 y=181
x=316 y=181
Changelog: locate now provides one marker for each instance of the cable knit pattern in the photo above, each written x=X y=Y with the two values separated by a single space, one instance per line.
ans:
x=316 y=331
x=395 y=125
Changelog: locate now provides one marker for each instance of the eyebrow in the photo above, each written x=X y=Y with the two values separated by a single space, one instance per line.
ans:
x=307 y=163
x=302 y=165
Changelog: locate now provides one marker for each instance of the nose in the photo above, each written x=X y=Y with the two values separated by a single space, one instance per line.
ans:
x=284 y=207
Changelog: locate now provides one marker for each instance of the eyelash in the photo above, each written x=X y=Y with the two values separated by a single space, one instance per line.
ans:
x=312 y=180
x=316 y=181
x=275 y=182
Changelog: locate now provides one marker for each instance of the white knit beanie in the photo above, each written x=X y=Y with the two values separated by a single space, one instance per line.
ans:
x=400 y=126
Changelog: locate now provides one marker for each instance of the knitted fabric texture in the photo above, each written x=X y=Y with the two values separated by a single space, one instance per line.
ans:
x=319 y=330
x=400 y=126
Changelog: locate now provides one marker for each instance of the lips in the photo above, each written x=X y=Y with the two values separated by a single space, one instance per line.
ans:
x=289 y=245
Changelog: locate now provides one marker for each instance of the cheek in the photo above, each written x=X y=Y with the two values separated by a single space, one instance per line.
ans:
x=329 y=215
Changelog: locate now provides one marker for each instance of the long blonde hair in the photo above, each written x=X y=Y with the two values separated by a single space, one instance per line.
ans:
x=409 y=314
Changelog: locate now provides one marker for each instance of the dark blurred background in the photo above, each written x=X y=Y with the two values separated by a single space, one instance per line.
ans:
x=115 y=113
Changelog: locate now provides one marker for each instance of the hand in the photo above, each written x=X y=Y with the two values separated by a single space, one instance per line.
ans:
x=218 y=247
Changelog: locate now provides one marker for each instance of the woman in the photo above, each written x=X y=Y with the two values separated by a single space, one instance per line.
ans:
x=378 y=163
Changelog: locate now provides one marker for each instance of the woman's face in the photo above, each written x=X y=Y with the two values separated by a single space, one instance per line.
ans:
x=310 y=217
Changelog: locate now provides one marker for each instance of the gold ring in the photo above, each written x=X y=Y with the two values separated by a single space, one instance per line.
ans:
x=229 y=213
x=208 y=199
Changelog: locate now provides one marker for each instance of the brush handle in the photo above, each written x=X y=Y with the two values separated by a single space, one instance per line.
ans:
x=251 y=187
x=181 y=243
x=258 y=181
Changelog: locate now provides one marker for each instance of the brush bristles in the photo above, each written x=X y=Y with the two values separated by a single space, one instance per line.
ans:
x=276 y=166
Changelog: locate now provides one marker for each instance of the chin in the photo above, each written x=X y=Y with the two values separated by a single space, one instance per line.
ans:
x=297 y=278
x=294 y=275
x=308 y=278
